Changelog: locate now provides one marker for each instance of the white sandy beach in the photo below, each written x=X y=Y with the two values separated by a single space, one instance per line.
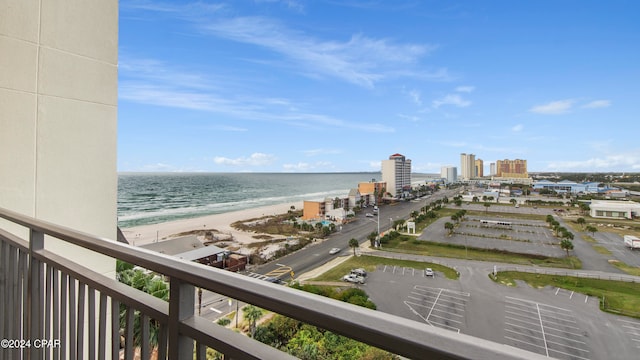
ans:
x=140 y=235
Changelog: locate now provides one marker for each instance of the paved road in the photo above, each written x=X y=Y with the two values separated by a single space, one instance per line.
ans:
x=318 y=253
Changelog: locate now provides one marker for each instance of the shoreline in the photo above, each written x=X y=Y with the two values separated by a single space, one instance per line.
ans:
x=145 y=234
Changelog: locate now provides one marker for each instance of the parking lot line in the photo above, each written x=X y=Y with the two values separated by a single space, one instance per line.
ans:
x=544 y=338
x=434 y=303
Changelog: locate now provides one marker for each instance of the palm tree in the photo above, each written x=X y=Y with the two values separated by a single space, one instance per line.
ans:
x=252 y=314
x=592 y=229
x=581 y=221
x=566 y=245
x=475 y=199
x=486 y=207
x=449 y=226
x=513 y=201
x=372 y=238
x=353 y=243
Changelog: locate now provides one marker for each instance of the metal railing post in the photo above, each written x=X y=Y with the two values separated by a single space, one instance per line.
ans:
x=181 y=307
x=34 y=292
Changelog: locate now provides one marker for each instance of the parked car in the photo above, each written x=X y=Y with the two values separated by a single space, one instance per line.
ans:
x=334 y=251
x=369 y=215
x=429 y=272
x=359 y=272
x=353 y=279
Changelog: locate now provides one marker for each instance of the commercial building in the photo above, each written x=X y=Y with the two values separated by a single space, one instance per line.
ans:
x=449 y=173
x=467 y=166
x=612 y=209
x=572 y=187
x=492 y=169
x=512 y=168
x=396 y=172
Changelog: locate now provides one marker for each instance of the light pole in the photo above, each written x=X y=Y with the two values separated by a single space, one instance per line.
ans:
x=379 y=241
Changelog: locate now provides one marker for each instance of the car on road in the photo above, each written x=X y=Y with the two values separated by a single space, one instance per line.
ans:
x=429 y=272
x=353 y=279
x=369 y=215
x=334 y=251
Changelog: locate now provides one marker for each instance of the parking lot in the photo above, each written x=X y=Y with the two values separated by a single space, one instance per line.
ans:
x=554 y=322
x=615 y=244
x=544 y=329
x=438 y=307
x=632 y=329
x=523 y=236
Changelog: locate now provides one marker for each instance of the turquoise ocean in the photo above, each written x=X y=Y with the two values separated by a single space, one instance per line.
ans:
x=151 y=198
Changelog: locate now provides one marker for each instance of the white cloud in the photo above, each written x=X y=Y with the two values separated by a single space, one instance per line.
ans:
x=451 y=99
x=554 y=107
x=359 y=60
x=415 y=96
x=255 y=159
x=152 y=82
x=375 y=165
x=616 y=162
x=409 y=117
x=465 y=89
x=597 y=104
x=517 y=128
x=316 y=152
x=303 y=166
x=160 y=167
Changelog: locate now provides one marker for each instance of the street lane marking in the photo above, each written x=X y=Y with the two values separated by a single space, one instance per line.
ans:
x=216 y=310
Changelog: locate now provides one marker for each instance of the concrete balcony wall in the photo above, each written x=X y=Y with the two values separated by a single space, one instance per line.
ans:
x=58 y=116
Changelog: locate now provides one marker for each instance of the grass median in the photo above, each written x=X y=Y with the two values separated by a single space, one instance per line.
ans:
x=616 y=297
x=370 y=263
x=409 y=244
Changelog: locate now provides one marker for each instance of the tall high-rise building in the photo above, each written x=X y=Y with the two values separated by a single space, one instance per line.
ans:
x=492 y=169
x=396 y=172
x=467 y=166
x=449 y=173
x=512 y=168
x=479 y=167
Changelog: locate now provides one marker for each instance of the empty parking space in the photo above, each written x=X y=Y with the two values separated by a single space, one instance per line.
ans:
x=438 y=307
x=544 y=329
x=632 y=328
x=401 y=270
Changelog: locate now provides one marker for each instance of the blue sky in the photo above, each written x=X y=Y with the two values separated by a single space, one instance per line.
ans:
x=325 y=86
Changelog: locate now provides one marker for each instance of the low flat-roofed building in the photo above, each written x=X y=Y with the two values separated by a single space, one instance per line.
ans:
x=313 y=210
x=612 y=209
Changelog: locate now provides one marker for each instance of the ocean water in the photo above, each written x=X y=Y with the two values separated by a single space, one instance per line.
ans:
x=150 y=198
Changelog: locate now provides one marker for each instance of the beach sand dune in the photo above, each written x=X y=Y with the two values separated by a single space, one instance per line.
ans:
x=145 y=234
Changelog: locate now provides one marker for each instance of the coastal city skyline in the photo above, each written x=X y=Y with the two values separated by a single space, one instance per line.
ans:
x=295 y=86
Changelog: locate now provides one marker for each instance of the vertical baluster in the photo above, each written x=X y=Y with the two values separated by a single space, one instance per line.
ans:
x=144 y=337
x=55 y=283
x=80 y=319
x=48 y=311
x=115 y=329
x=4 y=294
x=130 y=314
x=64 y=279
x=201 y=351
x=72 y=319
x=102 y=332
x=163 y=335
x=92 y=323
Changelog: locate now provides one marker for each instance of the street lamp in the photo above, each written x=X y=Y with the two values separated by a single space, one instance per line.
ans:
x=379 y=242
